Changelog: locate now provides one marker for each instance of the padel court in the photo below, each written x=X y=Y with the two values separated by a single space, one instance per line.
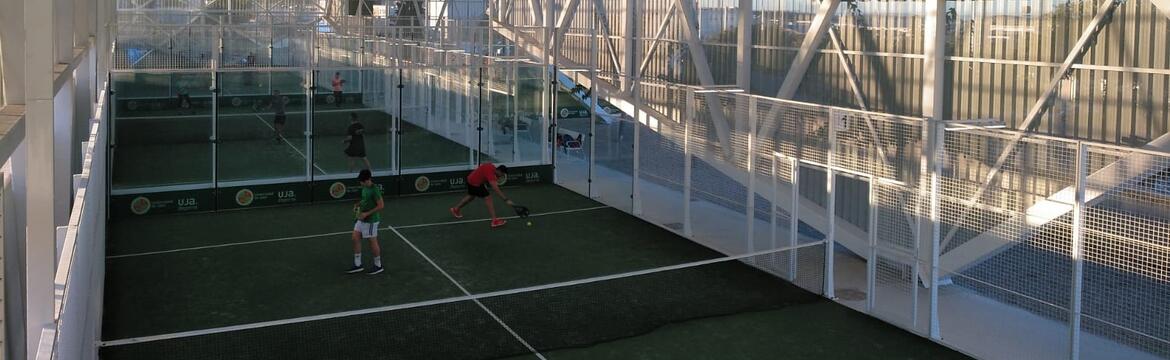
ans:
x=584 y=281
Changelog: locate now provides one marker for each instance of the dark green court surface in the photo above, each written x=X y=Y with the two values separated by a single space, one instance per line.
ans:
x=187 y=273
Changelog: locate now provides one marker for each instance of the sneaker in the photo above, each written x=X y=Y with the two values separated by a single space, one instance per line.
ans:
x=375 y=270
x=498 y=223
x=355 y=269
x=456 y=213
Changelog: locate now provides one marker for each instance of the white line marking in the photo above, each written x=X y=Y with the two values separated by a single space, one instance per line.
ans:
x=303 y=156
x=341 y=233
x=498 y=293
x=468 y=293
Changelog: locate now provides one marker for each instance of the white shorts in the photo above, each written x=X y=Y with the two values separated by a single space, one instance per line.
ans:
x=368 y=230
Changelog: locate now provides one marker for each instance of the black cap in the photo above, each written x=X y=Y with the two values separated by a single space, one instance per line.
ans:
x=502 y=168
x=365 y=175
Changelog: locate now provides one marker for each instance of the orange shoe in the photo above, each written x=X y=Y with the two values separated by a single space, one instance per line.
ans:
x=498 y=223
x=456 y=213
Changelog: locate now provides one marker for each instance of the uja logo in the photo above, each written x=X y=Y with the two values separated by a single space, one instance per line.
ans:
x=422 y=184
x=244 y=197
x=140 y=205
x=337 y=190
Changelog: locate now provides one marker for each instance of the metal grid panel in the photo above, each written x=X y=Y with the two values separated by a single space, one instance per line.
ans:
x=165 y=47
x=1127 y=249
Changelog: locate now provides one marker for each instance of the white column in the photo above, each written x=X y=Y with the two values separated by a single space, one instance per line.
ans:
x=39 y=137
x=933 y=89
x=12 y=51
x=831 y=208
x=63 y=32
x=1078 y=256
x=743 y=55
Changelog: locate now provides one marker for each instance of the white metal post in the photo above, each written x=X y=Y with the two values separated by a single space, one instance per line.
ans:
x=306 y=88
x=688 y=231
x=772 y=210
x=1078 y=256
x=214 y=128
x=794 y=217
x=596 y=91
x=830 y=206
x=935 y=142
x=751 y=173
x=871 y=262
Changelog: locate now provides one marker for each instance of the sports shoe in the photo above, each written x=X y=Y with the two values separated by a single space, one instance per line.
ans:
x=375 y=270
x=456 y=213
x=354 y=270
x=498 y=223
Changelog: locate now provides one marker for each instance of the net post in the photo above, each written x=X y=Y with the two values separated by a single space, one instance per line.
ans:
x=1077 y=253
x=830 y=205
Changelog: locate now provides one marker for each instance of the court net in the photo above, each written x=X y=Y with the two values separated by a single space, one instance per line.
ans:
x=550 y=317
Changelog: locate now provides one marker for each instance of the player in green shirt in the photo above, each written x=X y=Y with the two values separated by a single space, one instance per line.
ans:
x=367 y=214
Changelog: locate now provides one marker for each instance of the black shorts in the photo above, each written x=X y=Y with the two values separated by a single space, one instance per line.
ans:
x=480 y=191
x=355 y=152
x=279 y=119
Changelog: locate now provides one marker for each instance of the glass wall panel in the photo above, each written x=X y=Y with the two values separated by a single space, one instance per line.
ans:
x=262 y=136
x=349 y=139
x=162 y=130
x=434 y=138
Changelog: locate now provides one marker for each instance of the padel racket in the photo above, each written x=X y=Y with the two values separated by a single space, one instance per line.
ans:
x=521 y=211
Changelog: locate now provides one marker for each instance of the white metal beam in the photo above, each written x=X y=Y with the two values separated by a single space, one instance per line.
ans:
x=743 y=66
x=603 y=18
x=1104 y=13
x=658 y=37
x=743 y=51
x=808 y=49
x=703 y=69
x=564 y=20
x=535 y=8
x=630 y=44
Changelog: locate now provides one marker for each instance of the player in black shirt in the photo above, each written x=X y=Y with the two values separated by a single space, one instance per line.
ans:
x=355 y=141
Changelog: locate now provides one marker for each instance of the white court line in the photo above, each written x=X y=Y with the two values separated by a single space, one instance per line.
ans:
x=303 y=156
x=468 y=293
x=450 y=300
x=343 y=233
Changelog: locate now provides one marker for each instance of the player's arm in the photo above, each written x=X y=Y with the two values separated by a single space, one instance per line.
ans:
x=496 y=187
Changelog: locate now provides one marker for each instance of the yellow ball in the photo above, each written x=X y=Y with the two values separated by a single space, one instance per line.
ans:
x=529 y=223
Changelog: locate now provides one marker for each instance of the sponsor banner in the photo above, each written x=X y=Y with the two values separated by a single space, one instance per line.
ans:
x=457 y=180
x=433 y=182
x=527 y=175
x=162 y=203
x=348 y=189
x=263 y=195
x=572 y=112
x=319 y=191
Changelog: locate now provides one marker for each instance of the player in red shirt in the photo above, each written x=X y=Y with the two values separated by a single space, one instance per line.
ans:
x=477 y=187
